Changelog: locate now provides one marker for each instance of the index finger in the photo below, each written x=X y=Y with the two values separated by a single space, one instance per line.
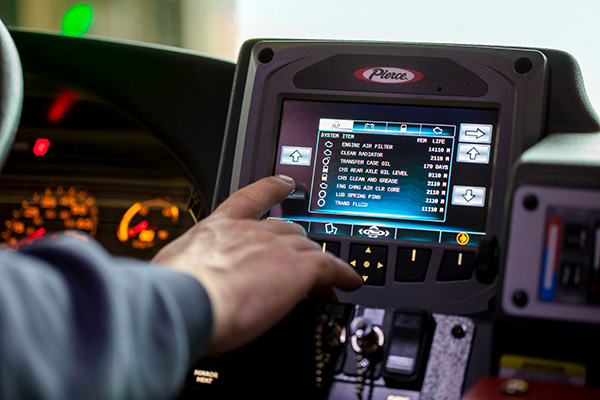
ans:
x=256 y=199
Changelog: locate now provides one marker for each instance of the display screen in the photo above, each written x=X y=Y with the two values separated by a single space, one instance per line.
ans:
x=387 y=171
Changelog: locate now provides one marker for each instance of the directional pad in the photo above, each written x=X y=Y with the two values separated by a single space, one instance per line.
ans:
x=370 y=262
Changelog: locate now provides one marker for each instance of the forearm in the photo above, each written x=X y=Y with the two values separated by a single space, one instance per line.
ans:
x=78 y=323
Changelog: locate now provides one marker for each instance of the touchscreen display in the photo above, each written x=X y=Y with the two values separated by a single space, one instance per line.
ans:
x=387 y=171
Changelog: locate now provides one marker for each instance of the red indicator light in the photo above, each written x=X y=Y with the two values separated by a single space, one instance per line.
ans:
x=34 y=236
x=40 y=147
x=137 y=229
x=61 y=105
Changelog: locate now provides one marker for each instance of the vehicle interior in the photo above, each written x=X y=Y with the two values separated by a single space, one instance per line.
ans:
x=461 y=181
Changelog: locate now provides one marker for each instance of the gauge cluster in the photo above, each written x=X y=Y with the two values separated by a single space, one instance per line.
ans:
x=133 y=222
x=100 y=173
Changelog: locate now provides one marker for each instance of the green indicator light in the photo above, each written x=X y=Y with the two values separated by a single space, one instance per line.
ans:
x=77 y=20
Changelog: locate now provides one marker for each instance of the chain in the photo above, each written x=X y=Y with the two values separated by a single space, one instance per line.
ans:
x=362 y=366
x=322 y=352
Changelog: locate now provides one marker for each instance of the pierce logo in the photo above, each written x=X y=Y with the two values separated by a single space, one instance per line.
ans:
x=388 y=75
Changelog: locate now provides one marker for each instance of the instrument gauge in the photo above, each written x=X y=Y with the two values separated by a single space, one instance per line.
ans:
x=51 y=211
x=148 y=224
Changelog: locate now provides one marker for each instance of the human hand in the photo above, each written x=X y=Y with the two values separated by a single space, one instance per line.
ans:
x=254 y=271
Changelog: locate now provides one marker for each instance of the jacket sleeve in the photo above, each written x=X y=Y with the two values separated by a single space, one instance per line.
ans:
x=78 y=323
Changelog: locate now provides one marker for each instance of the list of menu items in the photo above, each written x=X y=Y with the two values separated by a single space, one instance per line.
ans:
x=403 y=176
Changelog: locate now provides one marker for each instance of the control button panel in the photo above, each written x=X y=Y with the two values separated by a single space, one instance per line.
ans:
x=571 y=264
x=552 y=264
x=412 y=263
x=475 y=195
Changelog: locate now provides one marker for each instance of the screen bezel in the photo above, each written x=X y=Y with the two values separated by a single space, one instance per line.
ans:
x=429 y=106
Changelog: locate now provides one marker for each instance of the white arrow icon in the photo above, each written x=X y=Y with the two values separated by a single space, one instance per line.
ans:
x=296 y=156
x=473 y=153
x=477 y=133
x=468 y=196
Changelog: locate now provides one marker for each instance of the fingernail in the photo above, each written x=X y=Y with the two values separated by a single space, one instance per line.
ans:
x=286 y=179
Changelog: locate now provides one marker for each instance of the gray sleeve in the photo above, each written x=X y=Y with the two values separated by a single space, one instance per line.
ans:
x=78 y=323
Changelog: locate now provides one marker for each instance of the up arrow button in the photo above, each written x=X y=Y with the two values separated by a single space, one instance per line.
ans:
x=292 y=155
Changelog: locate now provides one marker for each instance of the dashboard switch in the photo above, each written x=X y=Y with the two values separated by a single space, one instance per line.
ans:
x=575 y=237
x=593 y=292
x=456 y=266
x=332 y=247
x=412 y=264
x=402 y=360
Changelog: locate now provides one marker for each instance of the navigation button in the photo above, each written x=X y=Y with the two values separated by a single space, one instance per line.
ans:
x=472 y=196
x=374 y=232
x=408 y=129
x=326 y=124
x=473 y=153
x=292 y=155
x=369 y=261
x=329 y=228
x=417 y=235
x=475 y=133
x=366 y=126
x=442 y=130
x=462 y=238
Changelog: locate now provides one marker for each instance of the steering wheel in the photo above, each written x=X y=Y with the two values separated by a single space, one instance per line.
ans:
x=11 y=92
